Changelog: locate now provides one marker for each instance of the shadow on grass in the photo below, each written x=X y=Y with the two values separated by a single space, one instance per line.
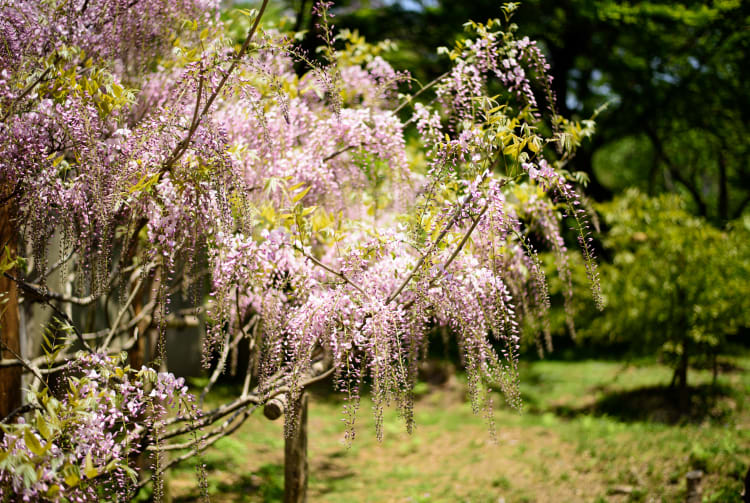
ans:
x=326 y=474
x=660 y=404
x=264 y=484
x=267 y=483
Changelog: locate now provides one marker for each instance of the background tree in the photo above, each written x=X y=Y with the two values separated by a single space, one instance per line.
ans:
x=680 y=284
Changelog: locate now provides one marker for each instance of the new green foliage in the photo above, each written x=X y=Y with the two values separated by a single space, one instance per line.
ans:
x=675 y=285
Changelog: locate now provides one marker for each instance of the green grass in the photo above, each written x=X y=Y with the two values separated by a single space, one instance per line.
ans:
x=590 y=431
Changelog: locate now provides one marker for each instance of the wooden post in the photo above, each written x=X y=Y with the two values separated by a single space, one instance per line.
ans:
x=10 y=377
x=295 y=446
x=694 y=492
x=295 y=457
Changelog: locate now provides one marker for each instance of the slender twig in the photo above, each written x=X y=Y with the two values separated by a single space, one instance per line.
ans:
x=331 y=270
x=25 y=92
x=258 y=397
x=228 y=346
x=398 y=109
x=23 y=409
x=16 y=190
x=306 y=382
x=60 y=297
x=423 y=89
x=199 y=449
x=196 y=440
x=339 y=152
x=250 y=356
x=26 y=363
x=217 y=371
x=466 y=237
x=194 y=121
x=455 y=253
x=190 y=443
x=36 y=295
x=456 y=215
x=58 y=264
x=40 y=294
x=208 y=418
x=61 y=361
x=123 y=310
x=182 y=146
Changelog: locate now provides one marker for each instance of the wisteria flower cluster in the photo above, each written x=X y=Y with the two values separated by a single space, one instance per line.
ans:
x=80 y=442
x=458 y=253
x=325 y=240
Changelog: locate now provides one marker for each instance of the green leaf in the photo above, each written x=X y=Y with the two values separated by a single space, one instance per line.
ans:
x=308 y=210
x=43 y=426
x=33 y=443
x=88 y=467
x=146 y=182
x=72 y=479
x=29 y=474
x=131 y=473
x=302 y=194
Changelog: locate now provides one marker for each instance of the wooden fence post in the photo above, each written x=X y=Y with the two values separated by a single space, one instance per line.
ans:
x=295 y=456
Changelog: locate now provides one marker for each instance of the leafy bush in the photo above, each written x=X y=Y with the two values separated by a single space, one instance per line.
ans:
x=676 y=285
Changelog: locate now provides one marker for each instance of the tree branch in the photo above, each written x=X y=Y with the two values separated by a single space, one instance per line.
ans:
x=36 y=295
x=331 y=270
x=182 y=146
x=423 y=89
x=123 y=310
x=675 y=171
x=26 y=363
x=23 y=409
x=456 y=215
x=200 y=448
x=25 y=92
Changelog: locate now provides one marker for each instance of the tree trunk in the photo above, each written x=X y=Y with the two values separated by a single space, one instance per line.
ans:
x=682 y=389
x=295 y=457
x=10 y=377
x=300 y=15
x=715 y=369
x=723 y=189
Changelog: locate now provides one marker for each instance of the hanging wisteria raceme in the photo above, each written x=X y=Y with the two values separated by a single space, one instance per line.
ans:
x=147 y=154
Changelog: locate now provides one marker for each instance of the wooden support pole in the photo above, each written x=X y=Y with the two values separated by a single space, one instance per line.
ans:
x=694 y=493
x=295 y=445
x=10 y=377
x=295 y=456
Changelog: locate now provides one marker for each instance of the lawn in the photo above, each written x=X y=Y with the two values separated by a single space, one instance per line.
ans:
x=589 y=431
